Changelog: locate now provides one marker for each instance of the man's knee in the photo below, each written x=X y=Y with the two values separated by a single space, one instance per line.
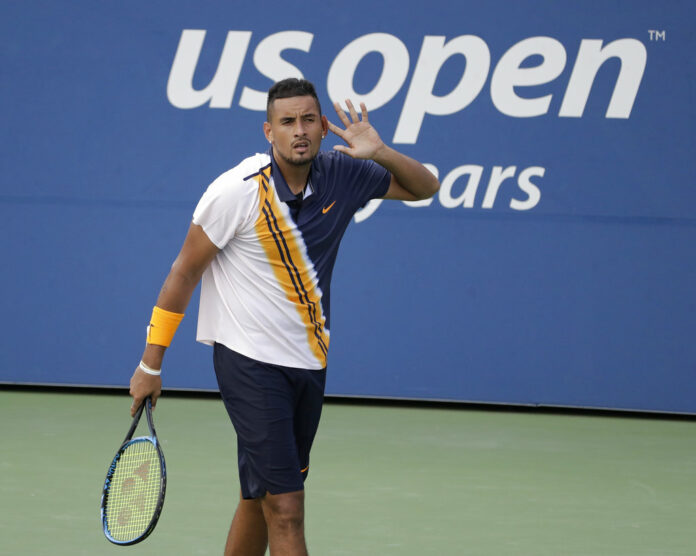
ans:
x=285 y=511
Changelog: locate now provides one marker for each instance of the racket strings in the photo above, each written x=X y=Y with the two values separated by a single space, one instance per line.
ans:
x=134 y=491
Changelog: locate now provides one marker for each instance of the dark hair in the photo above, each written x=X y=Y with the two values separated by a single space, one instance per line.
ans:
x=290 y=87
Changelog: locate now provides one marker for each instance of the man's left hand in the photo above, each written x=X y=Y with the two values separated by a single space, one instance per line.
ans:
x=362 y=139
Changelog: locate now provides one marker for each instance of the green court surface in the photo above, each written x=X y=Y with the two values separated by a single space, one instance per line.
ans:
x=384 y=480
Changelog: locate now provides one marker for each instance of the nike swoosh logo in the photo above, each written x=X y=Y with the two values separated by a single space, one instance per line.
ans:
x=327 y=209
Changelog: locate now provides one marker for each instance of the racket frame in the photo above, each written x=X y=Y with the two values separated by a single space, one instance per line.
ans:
x=152 y=438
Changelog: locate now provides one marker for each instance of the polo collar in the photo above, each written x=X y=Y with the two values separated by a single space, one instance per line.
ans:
x=281 y=186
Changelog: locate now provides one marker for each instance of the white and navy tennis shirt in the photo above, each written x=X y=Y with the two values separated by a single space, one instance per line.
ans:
x=266 y=293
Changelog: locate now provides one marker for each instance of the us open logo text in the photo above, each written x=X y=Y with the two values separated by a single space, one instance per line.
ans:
x=508 y=75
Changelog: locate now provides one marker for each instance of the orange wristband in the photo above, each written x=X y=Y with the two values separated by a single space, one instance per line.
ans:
x=163 y=325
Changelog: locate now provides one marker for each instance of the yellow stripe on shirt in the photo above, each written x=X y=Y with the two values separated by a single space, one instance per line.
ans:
x=289 y=266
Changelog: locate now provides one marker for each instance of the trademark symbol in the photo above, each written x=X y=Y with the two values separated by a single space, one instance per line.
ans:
x=657 y=35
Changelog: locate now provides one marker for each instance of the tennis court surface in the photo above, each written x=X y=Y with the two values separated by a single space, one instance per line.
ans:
x=384 y=480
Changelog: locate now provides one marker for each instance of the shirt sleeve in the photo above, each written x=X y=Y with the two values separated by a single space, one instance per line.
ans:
x=369 y=179
x=224 y=208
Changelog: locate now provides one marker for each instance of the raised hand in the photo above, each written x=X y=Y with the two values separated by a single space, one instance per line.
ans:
x=362 y=139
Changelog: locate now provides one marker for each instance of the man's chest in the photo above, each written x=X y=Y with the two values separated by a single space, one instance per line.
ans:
x=299 y=233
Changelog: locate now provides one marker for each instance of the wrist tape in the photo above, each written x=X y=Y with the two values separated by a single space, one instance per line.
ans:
x=149 y=370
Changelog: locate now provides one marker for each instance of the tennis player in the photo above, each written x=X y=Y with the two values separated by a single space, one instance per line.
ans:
x=264 y=239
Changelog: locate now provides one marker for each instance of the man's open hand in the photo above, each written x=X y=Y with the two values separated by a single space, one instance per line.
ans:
x=362 y=139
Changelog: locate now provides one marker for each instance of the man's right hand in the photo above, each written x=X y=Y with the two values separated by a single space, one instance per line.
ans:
x=143 y=385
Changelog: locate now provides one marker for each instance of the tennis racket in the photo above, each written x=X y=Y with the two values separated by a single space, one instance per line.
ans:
x=134 y=488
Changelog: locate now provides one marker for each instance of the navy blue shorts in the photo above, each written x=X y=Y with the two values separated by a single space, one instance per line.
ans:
x=275 y=411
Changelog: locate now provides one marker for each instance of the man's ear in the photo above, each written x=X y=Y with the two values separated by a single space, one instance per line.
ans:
x=324 y=126
x=267 y=132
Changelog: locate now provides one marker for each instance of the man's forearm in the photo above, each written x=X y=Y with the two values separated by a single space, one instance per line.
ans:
x=174 y=297
x=195 y=256
x=411 y=174
x=177 y=290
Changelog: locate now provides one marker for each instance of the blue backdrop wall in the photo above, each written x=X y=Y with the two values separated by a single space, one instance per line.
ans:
x=555 y=266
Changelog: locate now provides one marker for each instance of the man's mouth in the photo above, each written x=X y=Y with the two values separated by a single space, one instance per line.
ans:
x=301 y=146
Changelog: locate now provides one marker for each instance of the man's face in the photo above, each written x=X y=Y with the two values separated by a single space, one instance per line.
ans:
x=296 y=129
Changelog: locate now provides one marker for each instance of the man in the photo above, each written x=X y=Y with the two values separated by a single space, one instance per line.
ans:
x=264 y=238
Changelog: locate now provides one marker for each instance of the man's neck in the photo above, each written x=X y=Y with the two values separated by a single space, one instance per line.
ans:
x=295 y=176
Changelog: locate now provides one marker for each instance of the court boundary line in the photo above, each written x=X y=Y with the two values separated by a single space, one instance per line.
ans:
x=376 y=401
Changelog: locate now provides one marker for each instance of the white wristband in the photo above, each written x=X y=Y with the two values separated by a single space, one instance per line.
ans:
x=149 y=370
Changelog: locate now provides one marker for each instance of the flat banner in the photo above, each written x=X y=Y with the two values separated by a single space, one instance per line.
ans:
x=555 y=266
